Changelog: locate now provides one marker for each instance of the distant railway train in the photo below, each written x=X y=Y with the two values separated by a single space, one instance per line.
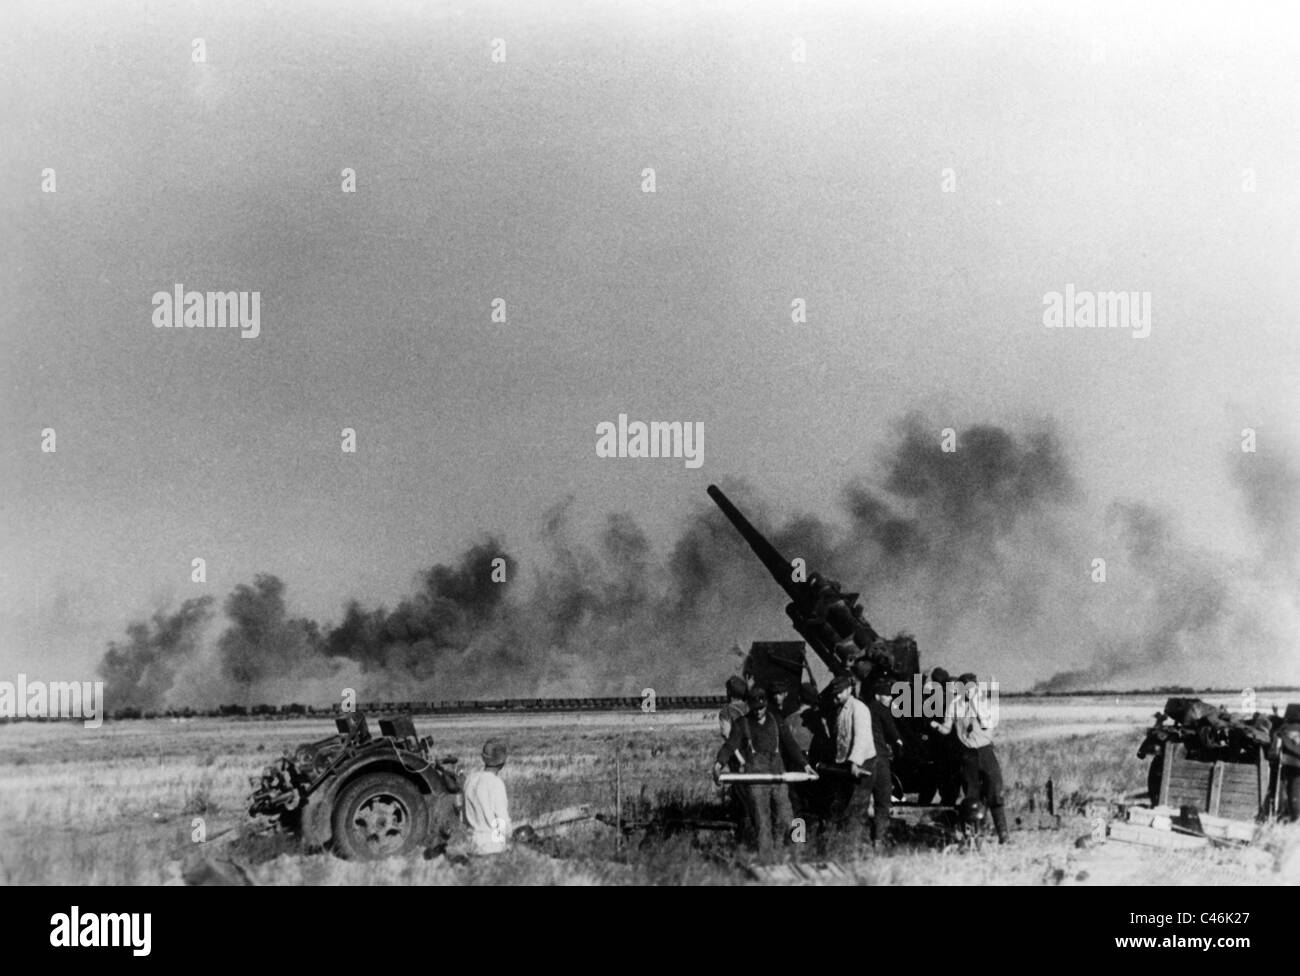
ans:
x=451 y=707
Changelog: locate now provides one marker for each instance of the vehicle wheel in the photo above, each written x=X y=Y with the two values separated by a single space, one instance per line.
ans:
x=379 y=815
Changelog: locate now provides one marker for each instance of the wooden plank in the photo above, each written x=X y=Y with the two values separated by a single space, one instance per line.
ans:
x=1240 y=795
x=1157 y=818
x=1239 y=798
x=1261 y=778
x=1149 y=837
x=1232 y=829
x=557 y=818
x=1241 y=784
x=1180 y=795
x=1244 y=788
x=1230 y=797
x=800 y=872
x=775 y=873
x=1238 y=807
x=1166 y=772
x=1242 y=773
x=1244 y=812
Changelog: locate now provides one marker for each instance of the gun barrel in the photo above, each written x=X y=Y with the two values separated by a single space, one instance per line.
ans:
x=804 y=610
x=767 y=553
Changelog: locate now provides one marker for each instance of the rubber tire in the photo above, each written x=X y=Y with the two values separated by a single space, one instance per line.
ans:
x=350 y=843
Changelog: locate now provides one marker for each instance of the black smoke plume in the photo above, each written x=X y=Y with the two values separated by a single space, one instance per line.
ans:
x=262 y=642
x=140 y=671
x=984 y=552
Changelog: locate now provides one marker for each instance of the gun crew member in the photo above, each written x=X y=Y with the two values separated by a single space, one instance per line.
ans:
x=761 y=743
x=968 y=715
x=484 y=807
x=855 y=749
x=889 y=743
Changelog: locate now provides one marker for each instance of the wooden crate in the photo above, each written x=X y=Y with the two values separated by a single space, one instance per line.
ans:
x=1235 y=791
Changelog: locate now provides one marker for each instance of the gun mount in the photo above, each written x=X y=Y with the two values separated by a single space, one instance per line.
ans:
x=832 y=622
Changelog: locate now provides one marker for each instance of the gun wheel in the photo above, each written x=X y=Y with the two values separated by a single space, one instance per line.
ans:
x=379 y=815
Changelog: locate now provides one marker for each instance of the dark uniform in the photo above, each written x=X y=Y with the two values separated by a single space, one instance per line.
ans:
x=803 y=730
x=767 y=747
x=1291 y=777
x=887 y=739
x=735 y=708
x=1288 y=765
x=947 y=751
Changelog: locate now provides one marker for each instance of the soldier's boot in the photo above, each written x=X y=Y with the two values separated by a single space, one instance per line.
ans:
x=1000 y=822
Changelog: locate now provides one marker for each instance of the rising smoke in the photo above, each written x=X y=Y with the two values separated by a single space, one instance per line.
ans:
x=139 y=672
x=984 y=553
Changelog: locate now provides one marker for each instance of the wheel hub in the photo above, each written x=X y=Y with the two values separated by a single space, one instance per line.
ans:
x=382 y=822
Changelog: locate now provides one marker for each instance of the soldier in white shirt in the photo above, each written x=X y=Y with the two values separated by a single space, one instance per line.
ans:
x=484 y=810
x=969 y=718
x=855 y=748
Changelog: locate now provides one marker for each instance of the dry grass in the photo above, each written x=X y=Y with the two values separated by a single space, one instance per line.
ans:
x=118 y=805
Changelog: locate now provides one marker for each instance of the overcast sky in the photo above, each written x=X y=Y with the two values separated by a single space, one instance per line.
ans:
x=1096 y=148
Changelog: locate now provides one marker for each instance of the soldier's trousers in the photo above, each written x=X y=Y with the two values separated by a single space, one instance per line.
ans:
x=843 y=791
x=769 y=814
x=882 y=786
x=1291 y=790
x=983 y=781
x=950 y=770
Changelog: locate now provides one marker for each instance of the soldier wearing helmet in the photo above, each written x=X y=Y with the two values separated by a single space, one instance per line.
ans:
x=973 y=814
x=484 y=808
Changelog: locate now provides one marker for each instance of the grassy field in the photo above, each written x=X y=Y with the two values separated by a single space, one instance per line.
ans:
x=117 y=805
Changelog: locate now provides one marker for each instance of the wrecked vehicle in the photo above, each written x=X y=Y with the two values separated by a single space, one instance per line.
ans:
x=363 y=797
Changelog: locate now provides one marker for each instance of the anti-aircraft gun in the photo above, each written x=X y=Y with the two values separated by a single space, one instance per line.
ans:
x=832 y=622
